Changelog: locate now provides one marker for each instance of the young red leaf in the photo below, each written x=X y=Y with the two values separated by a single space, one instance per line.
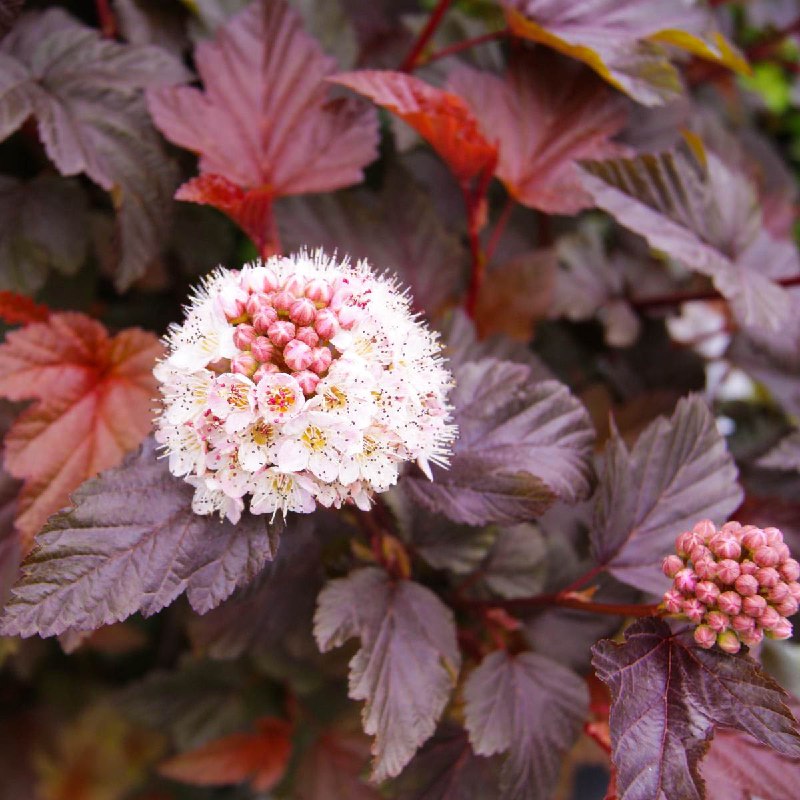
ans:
x=706 y=216
x=529 y=707
x=442 y=118
x=93 y=404
x=265 y=126
x=521 y=445
x=406 y=666
x=548 y=113
x=132 y=543
x=668 y=695
x=260 y=758
x=85 y=92
x=18 y=309
x=678 y=472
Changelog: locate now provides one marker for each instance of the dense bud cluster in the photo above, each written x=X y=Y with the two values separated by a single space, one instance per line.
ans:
x=297 y=381
x=737 y=584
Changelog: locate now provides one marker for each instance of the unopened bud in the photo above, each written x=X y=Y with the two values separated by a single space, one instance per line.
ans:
x=767 y=577
x=295 y=285
x=673 y=601
x=308 y=381
x=717 y=621
x=778 y=593
x=770 y=618
x=282 y=301
x=320 y=360
x=263 y=318
x=243 y=336
x=707 y=592
x=748 y=567
x=281 y=332
x=741 y=623
x=730 y=603
x=262 y=349
x=672 y=565
x=789 y=570
x=326 y=324
x=705 y=636
x=705 y=529
x=264 y=370
x=244 y=364
x=783 y=630
x=752 y=638
x=728 y=571
x=787 y=607
x=766 y=556
x=754 y=538
x=754 y=605
x=260 y=279
x=319 y=291
x=303 y=311
x=728 y=642
x=297 y=355
x=307 y=335
x=694 y=609
x=746 y=585
x=723 y=546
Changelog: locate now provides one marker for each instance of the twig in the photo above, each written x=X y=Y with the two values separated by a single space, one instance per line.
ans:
x=499 y=227
x=764 y=48
x=108 y=22
x=563 y=601
x=425 y=35
x=467 y=44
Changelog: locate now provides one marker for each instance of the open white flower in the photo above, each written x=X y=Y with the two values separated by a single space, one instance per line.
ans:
x=300 y=381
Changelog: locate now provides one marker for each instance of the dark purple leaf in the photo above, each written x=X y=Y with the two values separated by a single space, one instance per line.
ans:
x=43 y=225
x=678 y=472
x=521 y=445
x=784 y=455
x=668 y=695
x=132 y=543
x=272 y=610
x=85 y=92
x=706 y=216
x=516 y=564
x=406 y=666
x=9 y=12
x=446 y=768
x=529 y=707
x=396 y=230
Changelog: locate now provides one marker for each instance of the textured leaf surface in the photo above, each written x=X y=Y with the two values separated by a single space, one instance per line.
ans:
x=442 y=118
x=668 y=695
x=93 y=404
x=707 y=217
x=10 y=545
x=259 y=757
x=85 y=92
x=132 y=543
x=406 y=666
x=265 y=124
x=507 y=701
x=678 y=472
x=620 y=41
x=396 y=229
x=521 y=445
x=516 y=563
x=548 y=113
x=784 y=455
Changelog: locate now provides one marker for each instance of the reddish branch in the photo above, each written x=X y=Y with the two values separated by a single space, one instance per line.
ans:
x=108 y=22
x=425 y=35
x=564 y=601
x=475 y=202
x=764 y=48
x=467 y=44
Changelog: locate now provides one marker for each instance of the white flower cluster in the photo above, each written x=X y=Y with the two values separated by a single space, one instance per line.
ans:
x=300 y=380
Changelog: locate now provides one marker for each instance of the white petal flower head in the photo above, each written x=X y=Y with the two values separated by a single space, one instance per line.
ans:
x=297 y=382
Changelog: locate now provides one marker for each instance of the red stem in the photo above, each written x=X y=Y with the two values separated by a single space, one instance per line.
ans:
x=549 y=600
x=467 y=44
x=108 y=22
x=764 y=48
x=499 y=227
x=676 y=298
x=582 y=580
x=425 y=35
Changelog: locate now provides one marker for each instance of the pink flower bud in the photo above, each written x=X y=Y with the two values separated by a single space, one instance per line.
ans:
x=774 y=536
x=263 y=318
x=232 y=300
x=256 y=302
x=770 y=618
x=303 y=311
x=262 y=349
x=794 y=590
x=723 y=546
x=326 y=324
x=784 y=554
x=741 y=623
x=295 y=285
x=728 y=642
x=767 y=577
x=282 y=301
x=730 y=603
x=349 y=316
x=705 y=529
x=752 y=638
x=783 y=630
x=321 y=360
x=685 y=542
x=340 y=298
x=297 y=355
x=244 y=364
x=671 y=566
x=319 y=291
x=261 y=279
x=707 y=592
x=754 y=538
x=673 y=601
x=699 y=553
x=746 y=585
x=706 y=568
x=243 y=336
x=694 y=609
x=748 y=567
x=308 y=381
x=778 y=593
x=766 y=556
x=727 y=571
x=787 y=607
x=705 y=636
x=790 y=570
x=264 y=370
x=281 y=332
x=307 y=335
x=754 y=605
x=717 y=621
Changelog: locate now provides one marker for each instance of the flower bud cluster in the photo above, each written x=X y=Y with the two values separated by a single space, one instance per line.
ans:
x=736 y=584
x=299 y=381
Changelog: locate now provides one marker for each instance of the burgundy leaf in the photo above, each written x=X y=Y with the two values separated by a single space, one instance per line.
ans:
x=85 y=92
x=678 y=472
x=706 y=216
x=9 y=12
x=516 y=563
x=622 y=41
x=784 y=455
x=132 y=543
x=10 y=542
x=507 y=701
x=442 y=118
x=266 y=122
x=446 y=768
x=548 y=113
x=521 y=445
x=406 y=666
x=396 y=229
x=668 y=695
